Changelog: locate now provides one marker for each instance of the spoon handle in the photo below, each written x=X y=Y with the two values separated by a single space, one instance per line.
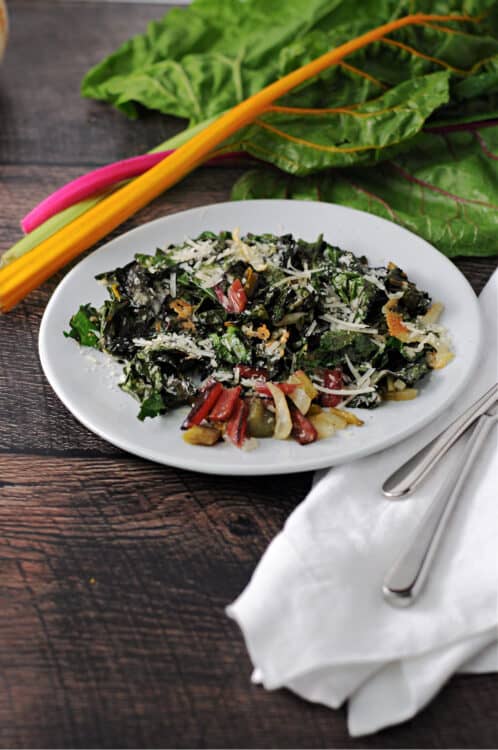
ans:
x=406 y=578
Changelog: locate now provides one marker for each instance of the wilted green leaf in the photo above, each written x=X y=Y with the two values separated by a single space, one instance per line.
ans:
x=84 y=326
x=152 y=406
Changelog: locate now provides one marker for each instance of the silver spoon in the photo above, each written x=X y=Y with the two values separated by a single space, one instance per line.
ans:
x=404 y=480
x=406 y=578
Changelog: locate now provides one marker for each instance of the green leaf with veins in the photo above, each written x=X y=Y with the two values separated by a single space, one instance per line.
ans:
x=301 y=142
x=445 y=188
x=198 y=61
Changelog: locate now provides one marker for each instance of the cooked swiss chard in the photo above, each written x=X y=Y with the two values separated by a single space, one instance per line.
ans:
x=264 y=333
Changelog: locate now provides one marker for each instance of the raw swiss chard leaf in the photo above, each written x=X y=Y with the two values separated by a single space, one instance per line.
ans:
x=84 y=326
x=196 y=62
x=444 y=188
x=302 y=141
x=469 y=53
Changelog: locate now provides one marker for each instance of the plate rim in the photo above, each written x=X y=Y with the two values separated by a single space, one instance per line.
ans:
x=213 y=467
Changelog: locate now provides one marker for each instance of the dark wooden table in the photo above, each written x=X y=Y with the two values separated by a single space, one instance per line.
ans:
x=114 y=572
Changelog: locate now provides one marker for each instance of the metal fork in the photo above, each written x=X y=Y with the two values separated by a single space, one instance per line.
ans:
x=407 y=577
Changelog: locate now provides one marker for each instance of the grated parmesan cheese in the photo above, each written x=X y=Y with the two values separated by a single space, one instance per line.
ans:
x=179 y=341
x=348 y=325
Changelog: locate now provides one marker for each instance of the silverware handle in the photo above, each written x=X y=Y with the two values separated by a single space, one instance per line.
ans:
x=406 y=578
x=404 y=480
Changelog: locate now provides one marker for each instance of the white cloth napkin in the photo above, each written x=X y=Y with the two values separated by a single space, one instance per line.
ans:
x=313 y=616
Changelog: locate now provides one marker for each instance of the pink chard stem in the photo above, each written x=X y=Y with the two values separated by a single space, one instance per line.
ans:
x=97 y=181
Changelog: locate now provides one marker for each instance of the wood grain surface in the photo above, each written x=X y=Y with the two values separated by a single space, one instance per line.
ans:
x=114 y=572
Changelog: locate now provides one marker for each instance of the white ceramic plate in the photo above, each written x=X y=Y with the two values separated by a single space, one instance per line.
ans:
x=86 y=382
